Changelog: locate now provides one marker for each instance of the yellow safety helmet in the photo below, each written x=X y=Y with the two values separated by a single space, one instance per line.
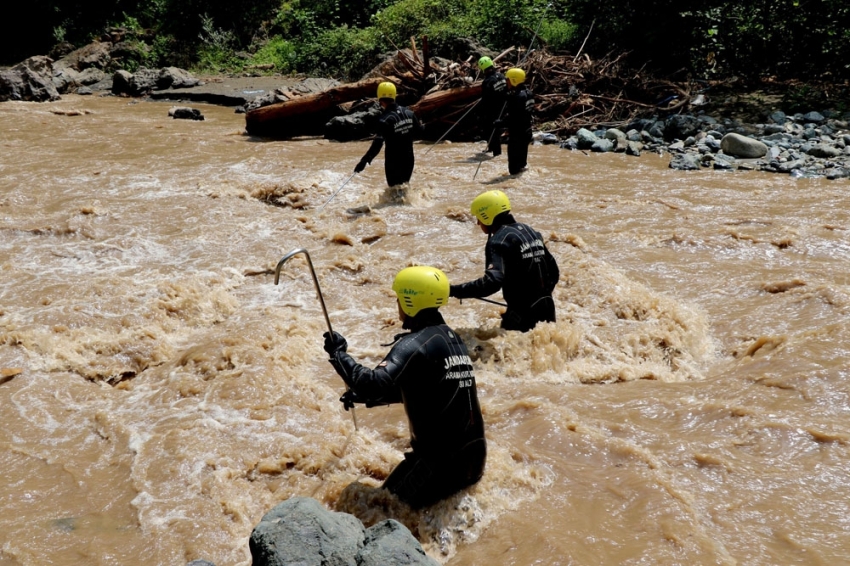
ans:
x=489 y=205
x=421 y=287
x=485 y=63
x=515 y=76
x=386 y=90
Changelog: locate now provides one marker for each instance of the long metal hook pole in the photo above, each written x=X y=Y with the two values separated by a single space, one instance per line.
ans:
x=490 y=139
x=315 y=279
x=333 y=195
x=283 y=260
x=471 y=108
x=491 y=301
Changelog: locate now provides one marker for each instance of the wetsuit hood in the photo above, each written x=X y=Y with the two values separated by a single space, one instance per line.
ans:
x=425 y=317
x=501 y=220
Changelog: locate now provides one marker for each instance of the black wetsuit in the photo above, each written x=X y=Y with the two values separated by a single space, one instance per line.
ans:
x=493 y=91
x=519 y=264
x=519 y=110
x=397 y=126
x=428 y=370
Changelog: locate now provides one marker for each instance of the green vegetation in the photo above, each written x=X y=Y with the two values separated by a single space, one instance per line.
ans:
x=803 y=39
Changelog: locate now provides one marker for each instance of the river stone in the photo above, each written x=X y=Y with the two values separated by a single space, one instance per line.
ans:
x=742 y=146
x=614 y=134
x=66 y=79
x=389 y=542
x=90 y=76
x=300 y=531
x=685 y=162
x=824 y=150
x=680 y=126
x=185 y=113
x=121 y=81
x=814 y=117
x=602 y=146
x=586 y=138
x=173 y=77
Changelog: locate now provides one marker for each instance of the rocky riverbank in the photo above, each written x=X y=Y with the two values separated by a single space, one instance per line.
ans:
x=710 y=135
x=814 y=144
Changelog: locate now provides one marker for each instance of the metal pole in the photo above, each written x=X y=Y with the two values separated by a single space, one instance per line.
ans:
x=318 y=292
x=332 y=197
x=471 y=108
x=505 y=105
x=492 y=302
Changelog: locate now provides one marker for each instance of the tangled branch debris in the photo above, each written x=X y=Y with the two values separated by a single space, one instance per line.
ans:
x=571 y=91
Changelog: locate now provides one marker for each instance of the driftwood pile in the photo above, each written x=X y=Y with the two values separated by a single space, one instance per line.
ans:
x=571 y=92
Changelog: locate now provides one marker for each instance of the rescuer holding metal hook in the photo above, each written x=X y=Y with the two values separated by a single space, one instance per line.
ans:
x=429 y=370
x=517 y=262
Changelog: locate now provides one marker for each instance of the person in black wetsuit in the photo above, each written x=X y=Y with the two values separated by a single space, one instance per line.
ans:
x=517 y=118
x=429 y=370
x=517 y=262
x=397 y=127
x=493 y=91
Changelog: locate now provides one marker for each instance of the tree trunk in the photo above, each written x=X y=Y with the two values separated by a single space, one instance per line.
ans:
x=279 y=119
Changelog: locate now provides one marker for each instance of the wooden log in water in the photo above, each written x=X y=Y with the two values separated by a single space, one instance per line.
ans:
x=435 y=101
x=287 y=119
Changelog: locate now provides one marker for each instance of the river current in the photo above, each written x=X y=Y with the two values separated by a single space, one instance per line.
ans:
x=159 y=393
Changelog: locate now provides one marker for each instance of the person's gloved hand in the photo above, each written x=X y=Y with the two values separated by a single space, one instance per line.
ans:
x=334 y=343
x=360 y=166
x=452 y=290
x=349 y=398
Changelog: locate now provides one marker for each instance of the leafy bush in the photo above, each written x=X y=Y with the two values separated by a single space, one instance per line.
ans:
x=557 y=34
x=278 y=52
x=408 y=18
x=217 y=52
x=342 y=52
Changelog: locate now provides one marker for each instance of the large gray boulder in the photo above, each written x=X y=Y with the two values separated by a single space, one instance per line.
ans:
x=355 y=126
x=742 y=146
x=31 y=79
x=95 y=55
x=301 y=532
x=586 y=138
x=389 y=542
x=134 y=84
x=172 y=77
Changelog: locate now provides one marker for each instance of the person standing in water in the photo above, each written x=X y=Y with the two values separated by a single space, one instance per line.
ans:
x=429 y=370
x=493 y=91
x=397 y=127
x=518 y=113
x=517 y=262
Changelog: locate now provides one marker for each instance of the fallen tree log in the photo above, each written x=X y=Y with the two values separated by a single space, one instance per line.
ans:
x=300 y=115
x=435 y=101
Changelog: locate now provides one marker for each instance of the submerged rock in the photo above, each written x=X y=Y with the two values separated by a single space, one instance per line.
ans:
x=301 y=531
x=185 y=113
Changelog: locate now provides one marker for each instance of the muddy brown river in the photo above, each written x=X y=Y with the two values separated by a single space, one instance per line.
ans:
x=159 y=393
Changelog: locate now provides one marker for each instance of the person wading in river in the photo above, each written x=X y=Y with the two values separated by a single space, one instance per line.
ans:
x=517 y=118
x=397 y=126
x=429 y=370
x=493 y=90
x=517 y=262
